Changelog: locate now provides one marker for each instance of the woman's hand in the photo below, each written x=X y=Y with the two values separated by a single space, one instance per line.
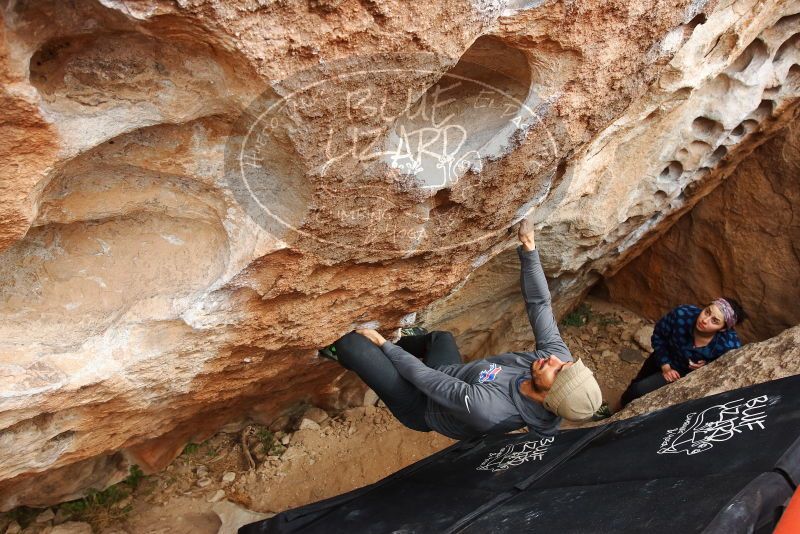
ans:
x=670 y=374
x=372 y=335
x=696 y=365
x=525 y=233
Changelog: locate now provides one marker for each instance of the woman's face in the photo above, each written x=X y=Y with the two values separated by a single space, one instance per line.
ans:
x=710 y=320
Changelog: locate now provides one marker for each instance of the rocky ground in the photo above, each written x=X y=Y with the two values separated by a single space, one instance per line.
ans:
x=213 y=487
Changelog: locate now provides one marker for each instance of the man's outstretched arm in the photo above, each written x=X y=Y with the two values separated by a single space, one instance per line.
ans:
x=537 y=296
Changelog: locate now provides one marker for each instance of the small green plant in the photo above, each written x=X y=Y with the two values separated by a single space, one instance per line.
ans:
x=266 y=437
x=277 y=449
x=211 y=451
x=135 y=477
x=579 y=317
x=603 y=412
x=191 y=448
x=100 y=507
x=605 y=319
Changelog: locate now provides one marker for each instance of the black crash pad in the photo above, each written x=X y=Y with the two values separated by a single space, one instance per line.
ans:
x=723 y=464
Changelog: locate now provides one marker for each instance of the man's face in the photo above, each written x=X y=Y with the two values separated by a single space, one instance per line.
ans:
x=545 y=371
x=710 y=320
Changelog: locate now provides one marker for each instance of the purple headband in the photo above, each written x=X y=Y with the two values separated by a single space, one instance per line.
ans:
x=727 y=311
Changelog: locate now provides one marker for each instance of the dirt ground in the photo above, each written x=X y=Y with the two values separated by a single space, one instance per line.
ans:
x=212 y=488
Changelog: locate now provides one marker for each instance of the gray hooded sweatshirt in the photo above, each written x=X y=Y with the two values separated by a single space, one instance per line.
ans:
x=483 y=397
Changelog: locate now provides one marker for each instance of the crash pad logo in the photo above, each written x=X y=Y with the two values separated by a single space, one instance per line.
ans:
x=515 y=454
x=488 y=375
x=700 y=431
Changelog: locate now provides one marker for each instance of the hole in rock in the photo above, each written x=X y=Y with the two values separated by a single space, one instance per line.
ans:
x=792 y=82
x=442 y=201
x=141 y=78
x=697 y=20
x=751 y=58
x=696 y=147
x=471 y=113
x=763 y=111
x=788 y=22
x=789 y=49
x=63 y=436
x=722 y=47
x=745 y=127
x=692 y=187
x=717 y=155
x=671 y=172
x=707 y=129
x=689 y=27
x=691 y=156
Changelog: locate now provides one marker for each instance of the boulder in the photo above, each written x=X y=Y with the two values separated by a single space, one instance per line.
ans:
x=315 y=414
x=308 y=424
x=234 y=516
x=174 y=248
x=643 y=336
x=754 y=363
x=631 y=355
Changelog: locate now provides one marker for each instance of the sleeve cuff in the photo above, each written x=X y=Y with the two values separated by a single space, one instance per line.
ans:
x=527 y=254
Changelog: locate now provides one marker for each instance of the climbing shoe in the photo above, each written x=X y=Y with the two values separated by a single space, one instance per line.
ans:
x=413 y=331
x=329 y=352
x=604 y=412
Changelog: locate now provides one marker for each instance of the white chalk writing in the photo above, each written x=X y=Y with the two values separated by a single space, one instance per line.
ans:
x=516 y=454
x=721 y=422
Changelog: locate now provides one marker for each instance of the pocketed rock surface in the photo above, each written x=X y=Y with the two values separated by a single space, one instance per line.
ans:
x=153 y=288
x=741 y=241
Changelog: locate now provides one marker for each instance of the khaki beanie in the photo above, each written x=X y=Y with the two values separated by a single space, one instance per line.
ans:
x=575 y=394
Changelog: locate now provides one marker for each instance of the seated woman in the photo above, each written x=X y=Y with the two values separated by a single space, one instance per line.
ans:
x=686 y=339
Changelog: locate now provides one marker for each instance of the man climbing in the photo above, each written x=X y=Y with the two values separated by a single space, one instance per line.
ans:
x=491 y=396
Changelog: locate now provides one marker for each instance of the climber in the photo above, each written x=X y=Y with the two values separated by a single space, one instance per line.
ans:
x=686 y=339
x=491 y=396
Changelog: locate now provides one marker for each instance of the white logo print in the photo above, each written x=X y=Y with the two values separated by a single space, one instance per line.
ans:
x=716 y=424
x=466 y=401
x=516 y=454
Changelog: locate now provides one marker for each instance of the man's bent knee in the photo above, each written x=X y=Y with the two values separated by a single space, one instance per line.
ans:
x=352 y=344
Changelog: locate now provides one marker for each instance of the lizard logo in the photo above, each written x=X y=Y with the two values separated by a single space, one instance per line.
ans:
x=516 y=454
x=488 y=375
x=701 y=431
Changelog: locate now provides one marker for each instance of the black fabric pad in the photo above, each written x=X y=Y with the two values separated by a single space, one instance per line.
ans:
x=675 y=470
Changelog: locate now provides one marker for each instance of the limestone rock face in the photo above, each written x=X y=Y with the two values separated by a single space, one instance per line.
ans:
x=742 y=240
x=194 y=196
x=775 y=358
